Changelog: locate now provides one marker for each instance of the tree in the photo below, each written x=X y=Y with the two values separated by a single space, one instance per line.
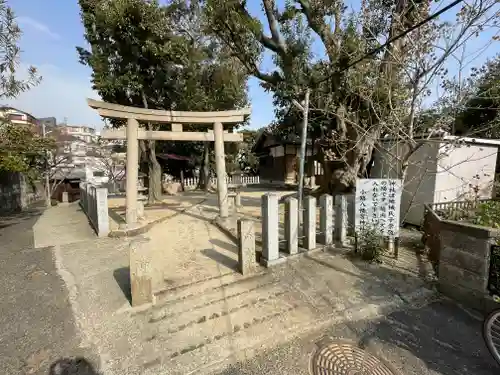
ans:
x=21 y=147
x=352 y=107
x=146 y=55
x=480 y=113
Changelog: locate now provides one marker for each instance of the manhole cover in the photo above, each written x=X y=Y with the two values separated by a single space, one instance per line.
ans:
x=346 y=359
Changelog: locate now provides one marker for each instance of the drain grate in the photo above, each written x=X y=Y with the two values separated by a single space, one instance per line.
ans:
x=346 y=359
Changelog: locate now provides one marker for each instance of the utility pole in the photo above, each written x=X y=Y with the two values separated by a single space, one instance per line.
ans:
x=47 y=181
x=303 y=139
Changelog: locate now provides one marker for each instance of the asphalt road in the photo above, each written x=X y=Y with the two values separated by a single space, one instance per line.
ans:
x=37 y=329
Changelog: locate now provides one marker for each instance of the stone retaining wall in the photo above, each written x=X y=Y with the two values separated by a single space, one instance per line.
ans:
x=462 y=251
x=94 y=202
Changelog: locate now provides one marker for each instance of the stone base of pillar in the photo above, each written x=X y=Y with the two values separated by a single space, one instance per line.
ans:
x=273 y=262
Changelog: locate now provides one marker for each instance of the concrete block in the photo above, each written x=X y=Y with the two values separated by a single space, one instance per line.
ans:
x=246 y=247
x=465 y=260
x=140 y=273
x=309 y=222
x=270 y=229
x=341 y=219
x=326 y=219
x=452 y=275
x=292 y=225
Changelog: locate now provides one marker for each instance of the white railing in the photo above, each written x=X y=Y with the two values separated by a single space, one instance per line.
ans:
x=94 y=202
x=247 y=180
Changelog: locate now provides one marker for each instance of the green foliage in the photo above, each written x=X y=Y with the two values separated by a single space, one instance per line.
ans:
x=21 y=148
x=143 y=53
x=370 y=245
x=487 y=214
x=10 y=86
x=479 y=115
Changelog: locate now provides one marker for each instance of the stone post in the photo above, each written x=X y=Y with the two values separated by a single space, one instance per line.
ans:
x=140 y=273
x=326 y=219
x=102 y=212
x=237 y=200
x=246 y=247
x=270 y=231
x=220 y=168
x=341 y=219
x=292 y=225
x=309 y=222
x=132 y=171
x=65 y=198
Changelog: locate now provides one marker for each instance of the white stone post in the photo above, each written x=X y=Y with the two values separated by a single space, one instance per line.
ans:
x=246 y=247
x=220 y=168
x=102 y=212
x=132 y=173
x=270 y=230
x=292 y=225
x=65 y=198
x=341 y=219
x=309 y=222
x=326 y=219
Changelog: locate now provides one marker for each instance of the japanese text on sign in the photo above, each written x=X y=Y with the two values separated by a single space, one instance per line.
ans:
x=377 y=205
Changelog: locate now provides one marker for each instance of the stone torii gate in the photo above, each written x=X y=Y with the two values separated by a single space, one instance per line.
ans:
x=133 y=133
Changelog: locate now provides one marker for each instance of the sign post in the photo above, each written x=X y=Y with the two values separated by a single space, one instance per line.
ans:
x=377 y=207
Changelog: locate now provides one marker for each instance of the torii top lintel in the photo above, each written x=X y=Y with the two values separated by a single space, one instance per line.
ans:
x=161 y=116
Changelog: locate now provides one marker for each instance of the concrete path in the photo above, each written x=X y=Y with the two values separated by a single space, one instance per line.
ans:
x=187 y=247
x=37 y=328
x=434 y=339
x=62 y=224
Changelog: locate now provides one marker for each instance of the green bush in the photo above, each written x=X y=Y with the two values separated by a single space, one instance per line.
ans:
x=370 y=245
x=487 y=214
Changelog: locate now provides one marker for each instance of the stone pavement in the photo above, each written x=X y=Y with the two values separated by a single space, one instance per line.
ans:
x=37 y=327
x=434 y=339
x=62 y=224
x=212 y=317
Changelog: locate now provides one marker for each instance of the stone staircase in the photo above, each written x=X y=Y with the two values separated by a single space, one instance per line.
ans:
x=218 y=318
x=202 y=326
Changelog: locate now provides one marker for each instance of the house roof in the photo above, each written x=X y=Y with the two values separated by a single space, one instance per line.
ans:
x=267 y=140
x=6 y=108
x=173 y=157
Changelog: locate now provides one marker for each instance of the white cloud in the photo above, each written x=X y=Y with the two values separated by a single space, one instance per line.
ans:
x=38 y=26
x=59 y=95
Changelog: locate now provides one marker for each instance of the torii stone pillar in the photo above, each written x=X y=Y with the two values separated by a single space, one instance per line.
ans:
x=132 y=175
x=220 y=169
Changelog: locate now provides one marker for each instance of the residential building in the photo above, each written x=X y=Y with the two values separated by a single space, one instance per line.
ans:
x=278 y=159
x=85 y=133
x=17 y=116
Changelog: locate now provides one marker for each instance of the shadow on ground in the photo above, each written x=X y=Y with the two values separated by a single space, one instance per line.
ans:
x=122 y=277
x=73 y=366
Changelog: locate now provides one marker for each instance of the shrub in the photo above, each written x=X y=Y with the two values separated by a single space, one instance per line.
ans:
x=370 y=245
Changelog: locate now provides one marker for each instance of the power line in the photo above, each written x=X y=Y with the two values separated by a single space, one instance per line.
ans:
x=393 y=39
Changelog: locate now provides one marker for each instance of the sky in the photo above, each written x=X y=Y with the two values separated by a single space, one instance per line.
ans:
x=51 y=31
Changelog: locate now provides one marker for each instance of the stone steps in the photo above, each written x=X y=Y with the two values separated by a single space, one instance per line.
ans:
x=192 y=305
x=221 y=330
x=214 y=318
x=203 y=290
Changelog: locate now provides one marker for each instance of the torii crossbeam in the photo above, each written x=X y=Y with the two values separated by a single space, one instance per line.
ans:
x=133 y=133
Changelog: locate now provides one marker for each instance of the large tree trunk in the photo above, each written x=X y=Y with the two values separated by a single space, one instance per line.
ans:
x=154 y=168
x=154 y=175
x=204 y=182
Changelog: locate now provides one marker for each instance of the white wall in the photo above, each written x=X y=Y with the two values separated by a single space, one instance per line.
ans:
x=420 y=176
x=462 y=167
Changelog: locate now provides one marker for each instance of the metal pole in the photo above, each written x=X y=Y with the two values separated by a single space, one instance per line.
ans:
x=47 y=180
x=303 y=139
